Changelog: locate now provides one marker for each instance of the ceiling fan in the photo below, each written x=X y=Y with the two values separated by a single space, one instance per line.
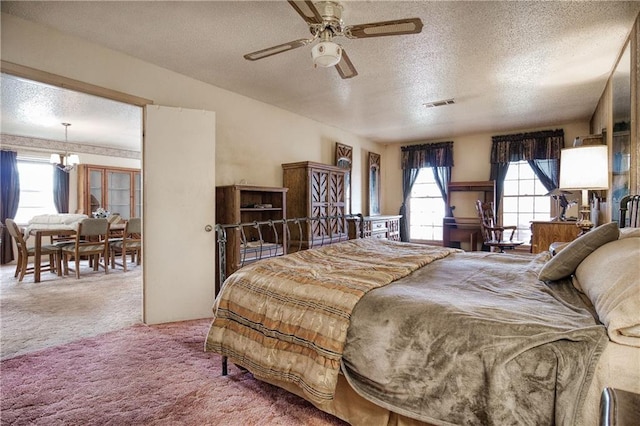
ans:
x=325 y=22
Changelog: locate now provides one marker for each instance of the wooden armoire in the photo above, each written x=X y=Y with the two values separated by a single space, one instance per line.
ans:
x=315 y=190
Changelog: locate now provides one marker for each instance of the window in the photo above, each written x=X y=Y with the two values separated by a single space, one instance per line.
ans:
x=36 y=190
x=426 y=208
x=524 y=200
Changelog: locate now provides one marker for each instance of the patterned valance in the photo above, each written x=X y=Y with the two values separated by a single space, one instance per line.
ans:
x=542 y=145
x=438 y=154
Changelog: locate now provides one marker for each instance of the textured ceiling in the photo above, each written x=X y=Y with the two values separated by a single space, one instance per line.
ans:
x=508 y=65
x=37 y=110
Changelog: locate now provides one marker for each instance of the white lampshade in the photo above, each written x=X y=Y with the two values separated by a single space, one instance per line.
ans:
x=326 y=54
x=73 y=160
x=65 y=162
x=584 y=167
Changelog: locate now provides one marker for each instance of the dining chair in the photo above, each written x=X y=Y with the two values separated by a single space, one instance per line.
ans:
x=92 y=240
x=130 y=243
x=24 y=252
x=495 y=236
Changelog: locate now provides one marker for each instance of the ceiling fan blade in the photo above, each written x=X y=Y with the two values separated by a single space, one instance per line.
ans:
x=386 y=28
x=345 y=67
x=307 y=10
x=274 y=50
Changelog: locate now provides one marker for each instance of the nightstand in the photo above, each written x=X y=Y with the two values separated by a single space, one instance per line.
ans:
x=543 y=233
x=619 y=408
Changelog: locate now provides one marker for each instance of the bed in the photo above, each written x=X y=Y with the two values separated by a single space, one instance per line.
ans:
x=383 y=333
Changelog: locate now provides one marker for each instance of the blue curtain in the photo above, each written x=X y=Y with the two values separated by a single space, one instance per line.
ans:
x=409 y=177
x=438 y=156
x=60 y=189
x=9 y=200
x=540 y=149
x=442 y=176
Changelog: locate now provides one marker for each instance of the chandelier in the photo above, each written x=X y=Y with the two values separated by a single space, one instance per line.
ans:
x=65 y=162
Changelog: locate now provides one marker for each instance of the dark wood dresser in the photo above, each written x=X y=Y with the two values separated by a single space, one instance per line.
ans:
x=382 y=227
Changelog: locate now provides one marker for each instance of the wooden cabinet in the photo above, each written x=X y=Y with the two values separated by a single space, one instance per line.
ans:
x=117 y=190
x=245 y=203
x=315 y=190
x=543 y=233
x=382 y=227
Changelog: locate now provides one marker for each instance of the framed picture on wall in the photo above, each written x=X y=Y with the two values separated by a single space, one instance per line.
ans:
x=344 y=160
x=374 y=184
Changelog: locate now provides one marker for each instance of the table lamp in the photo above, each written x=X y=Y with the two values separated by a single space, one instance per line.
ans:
x=584 y=168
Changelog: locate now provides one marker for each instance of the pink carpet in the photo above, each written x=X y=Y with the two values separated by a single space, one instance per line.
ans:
x=143 y=375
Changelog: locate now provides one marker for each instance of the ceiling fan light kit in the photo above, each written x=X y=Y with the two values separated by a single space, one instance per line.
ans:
x=326 y=54
x=325 y=22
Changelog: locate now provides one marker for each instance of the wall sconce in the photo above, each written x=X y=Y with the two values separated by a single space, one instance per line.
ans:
x=583 y=168
x=65 y=162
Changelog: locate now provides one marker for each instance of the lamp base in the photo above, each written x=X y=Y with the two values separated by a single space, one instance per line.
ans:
x=584 y=223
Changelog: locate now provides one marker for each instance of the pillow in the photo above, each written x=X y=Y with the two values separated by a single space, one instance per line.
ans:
x=576 y=283
x=629 y=232
x=633 y=331
x=610 y=277
x=567 y=260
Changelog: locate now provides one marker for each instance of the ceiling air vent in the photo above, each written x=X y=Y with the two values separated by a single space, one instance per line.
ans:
x=439 y=103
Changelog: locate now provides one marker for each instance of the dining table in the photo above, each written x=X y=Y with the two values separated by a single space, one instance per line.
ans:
x=61 y=230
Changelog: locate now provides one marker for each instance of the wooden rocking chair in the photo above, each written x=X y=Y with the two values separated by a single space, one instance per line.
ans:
x=493 y=234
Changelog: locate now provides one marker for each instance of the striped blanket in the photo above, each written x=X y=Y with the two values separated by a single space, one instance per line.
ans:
x=286 y=318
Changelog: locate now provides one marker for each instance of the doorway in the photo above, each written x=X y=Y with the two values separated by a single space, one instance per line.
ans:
x=106 y=132
x=180 y=287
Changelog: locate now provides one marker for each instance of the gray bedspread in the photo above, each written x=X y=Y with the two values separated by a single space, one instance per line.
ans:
x=468 y=342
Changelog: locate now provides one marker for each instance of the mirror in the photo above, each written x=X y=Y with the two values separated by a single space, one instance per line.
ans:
x=344 y=160
x=374 y=184
x=621 y=149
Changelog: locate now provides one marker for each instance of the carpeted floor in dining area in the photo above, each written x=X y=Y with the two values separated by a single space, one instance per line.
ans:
x=58 y=310
x=119 y=371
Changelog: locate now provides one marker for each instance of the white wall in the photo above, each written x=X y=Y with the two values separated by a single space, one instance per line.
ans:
x=252 y=138
x=471 y=156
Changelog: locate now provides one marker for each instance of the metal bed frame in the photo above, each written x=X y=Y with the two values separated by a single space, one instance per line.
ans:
x=629 y=204
x=281 y=230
